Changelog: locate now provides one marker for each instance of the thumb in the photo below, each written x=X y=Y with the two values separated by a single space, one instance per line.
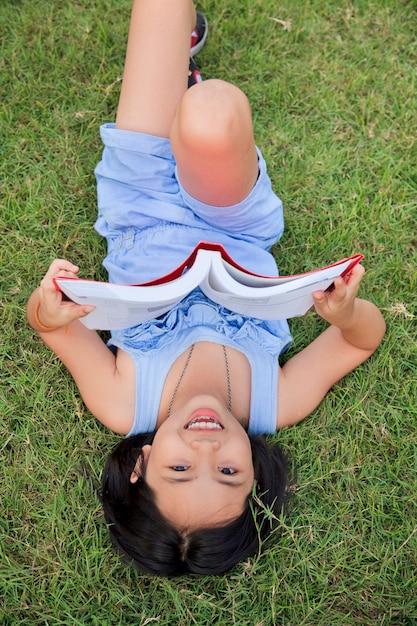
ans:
x=318 y=296
x=88 y=308
x=76 y=311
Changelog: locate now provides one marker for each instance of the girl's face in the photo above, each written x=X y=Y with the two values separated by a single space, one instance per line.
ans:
x=200 y=465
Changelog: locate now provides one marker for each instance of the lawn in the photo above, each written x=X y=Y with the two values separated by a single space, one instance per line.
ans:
x=333 y=89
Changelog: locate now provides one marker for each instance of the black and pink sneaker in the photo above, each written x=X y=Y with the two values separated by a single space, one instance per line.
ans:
x=194 y=75
x=199 y=34
x=198 y=39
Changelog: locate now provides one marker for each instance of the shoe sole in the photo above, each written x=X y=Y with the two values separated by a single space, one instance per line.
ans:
x=200 y=44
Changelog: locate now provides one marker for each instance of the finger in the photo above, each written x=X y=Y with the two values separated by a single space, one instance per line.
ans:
x=319 y=296
x=339 y=286
x=85 y=309
x=72 y=311
x=61 y=266
x=354 y=277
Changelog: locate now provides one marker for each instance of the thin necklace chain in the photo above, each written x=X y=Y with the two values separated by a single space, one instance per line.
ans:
x=229 y=386
x=177 y=386
x=180 y=379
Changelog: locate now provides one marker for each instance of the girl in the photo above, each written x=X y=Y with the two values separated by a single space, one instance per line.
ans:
x=194 y=389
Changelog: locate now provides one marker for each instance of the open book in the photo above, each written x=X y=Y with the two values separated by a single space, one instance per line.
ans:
x=221 y=279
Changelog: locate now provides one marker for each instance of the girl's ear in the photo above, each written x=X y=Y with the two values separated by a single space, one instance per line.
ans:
x=137 y=471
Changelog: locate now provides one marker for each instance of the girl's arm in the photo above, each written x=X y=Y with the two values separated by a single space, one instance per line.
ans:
x=107 y=391
x=357 y=328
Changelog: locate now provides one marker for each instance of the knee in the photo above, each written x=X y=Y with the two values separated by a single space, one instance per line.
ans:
x=214 y=115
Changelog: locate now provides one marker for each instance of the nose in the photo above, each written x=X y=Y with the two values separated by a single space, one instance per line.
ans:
x=205 y=444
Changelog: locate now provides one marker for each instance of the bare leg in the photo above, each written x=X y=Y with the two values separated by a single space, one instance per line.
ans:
x=213 y=144
x=156 y=67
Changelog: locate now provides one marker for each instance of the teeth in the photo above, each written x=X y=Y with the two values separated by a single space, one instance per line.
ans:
x=204 y=425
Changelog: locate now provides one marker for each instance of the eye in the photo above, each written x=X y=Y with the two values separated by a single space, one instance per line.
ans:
x=227 y=470
x=180 y=468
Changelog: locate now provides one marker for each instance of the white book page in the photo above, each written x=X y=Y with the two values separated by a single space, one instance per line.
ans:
x=122 y=306
x=254 y=281
x=280 y=301
x=120 y=314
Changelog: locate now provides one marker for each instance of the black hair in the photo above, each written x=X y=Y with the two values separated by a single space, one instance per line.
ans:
x=142 y=534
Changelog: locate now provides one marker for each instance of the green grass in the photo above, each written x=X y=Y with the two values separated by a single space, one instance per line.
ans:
x=333 y=88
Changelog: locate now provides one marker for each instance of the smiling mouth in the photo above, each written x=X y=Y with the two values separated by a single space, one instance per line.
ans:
x=203 y=422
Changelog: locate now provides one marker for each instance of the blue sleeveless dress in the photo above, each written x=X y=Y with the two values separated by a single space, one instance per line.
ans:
x=151 y=224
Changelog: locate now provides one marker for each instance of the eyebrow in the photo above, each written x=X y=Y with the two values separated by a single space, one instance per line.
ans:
x=221 y=481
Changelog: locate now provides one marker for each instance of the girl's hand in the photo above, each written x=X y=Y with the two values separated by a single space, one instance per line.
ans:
x=54 y=311
x=337 y=306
